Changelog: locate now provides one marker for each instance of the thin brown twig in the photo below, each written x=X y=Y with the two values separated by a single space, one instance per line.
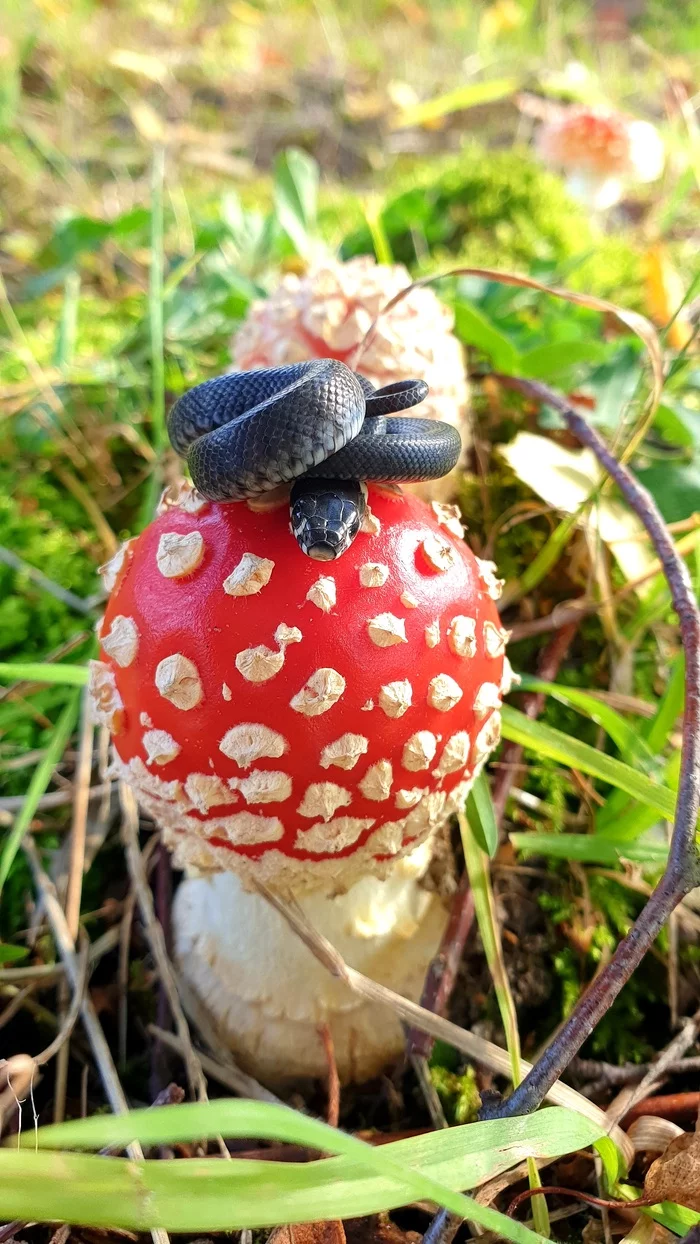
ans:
x=156 y=939
x=18 y=1073
x=45 y=974
x=556 y=1190
x=427 y=1088
x=125 y=927
x=54 y=799
x=533 y=704
x=74 y=890
x=598 y=1076
x=658 y=1070
x=163 y=893
x=60 y=1041
x=15 y=1006
x=442 y=970
x=576 y=610
x=10 y=1229
x=669 y=1106
x=63 y=594
x=683 y=868
x=228 y=1074
x=100 y=1049
x=333 y=1109
x=476 y=1048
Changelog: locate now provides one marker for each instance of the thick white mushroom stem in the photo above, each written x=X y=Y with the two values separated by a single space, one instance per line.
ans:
x=268 y=995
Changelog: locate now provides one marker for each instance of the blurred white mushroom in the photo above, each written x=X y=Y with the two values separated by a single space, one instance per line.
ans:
x=326 y=312
x=601 y=153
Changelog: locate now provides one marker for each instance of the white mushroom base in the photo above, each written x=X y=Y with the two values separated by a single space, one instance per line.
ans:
x=267 y=994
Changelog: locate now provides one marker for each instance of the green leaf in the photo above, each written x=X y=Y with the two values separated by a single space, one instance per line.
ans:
x=675 y=486
x=40 y=780
x=12 y=954
x=209 y=1194
x=610 y=1157
x=296 y=197
x=481 y=816
x=623 y=820
x=471 y=95
x=590 y=848
x=39 y=671
x=675 y=1217
x=670 y=708
x=678 y=424
x=630 y=742
x=558 y=746
x=475 y=329
x=72 y=237
x=550 y=362
x=614 y=384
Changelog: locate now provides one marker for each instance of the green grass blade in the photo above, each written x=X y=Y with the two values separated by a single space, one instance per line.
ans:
x=670 y=708
x=472 y=95
x=674 y=1217
x=155 y=303
x=159 y=435
x=541 y=565
x=40 y=780
x=208 y=1194
x=624 y=821
x=477 y=863
x=591 y=848
x=546 y=741
x=270 y=1122
x=380 y=240
x=628 y=739
x=481 y=816
x=40 y=671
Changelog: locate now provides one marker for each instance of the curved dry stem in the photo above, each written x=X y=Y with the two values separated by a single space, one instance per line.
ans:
x=638 y=324
x=683 y=869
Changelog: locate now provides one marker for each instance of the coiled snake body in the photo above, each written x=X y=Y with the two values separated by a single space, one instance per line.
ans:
x=317 y=425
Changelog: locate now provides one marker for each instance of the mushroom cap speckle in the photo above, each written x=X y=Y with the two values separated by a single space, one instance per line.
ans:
x=275 y=766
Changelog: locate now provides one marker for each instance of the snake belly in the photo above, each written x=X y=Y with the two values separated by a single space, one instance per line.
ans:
x=317 y=425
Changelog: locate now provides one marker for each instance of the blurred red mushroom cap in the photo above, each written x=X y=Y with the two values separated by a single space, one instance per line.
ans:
x=600 y=150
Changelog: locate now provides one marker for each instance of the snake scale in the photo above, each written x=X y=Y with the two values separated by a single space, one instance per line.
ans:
x=316 y=425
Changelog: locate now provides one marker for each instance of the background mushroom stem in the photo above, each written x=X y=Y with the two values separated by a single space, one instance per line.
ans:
x=683 y=869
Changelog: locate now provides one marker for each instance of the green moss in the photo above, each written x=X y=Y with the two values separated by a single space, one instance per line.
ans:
x=45 y=528
x=499 y=209
x=458 y=1093
x=489 y=206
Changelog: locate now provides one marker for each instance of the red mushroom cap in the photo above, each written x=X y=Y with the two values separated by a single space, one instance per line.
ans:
x=593 y=139
x=301 y=727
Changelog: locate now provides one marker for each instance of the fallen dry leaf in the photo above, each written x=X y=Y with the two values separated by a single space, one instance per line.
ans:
x=379 y=1229
x=564 y=478
x=675 y=1176
x=665 y=292
x=331 y=1232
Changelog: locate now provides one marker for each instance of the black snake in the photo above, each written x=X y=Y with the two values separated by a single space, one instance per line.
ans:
x=317 y=425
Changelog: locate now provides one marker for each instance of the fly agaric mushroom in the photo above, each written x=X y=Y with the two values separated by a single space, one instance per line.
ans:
x=600 y=152
x=326 y=313
x=310 y=731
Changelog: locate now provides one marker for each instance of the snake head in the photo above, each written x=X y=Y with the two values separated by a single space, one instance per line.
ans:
x=326 y=515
